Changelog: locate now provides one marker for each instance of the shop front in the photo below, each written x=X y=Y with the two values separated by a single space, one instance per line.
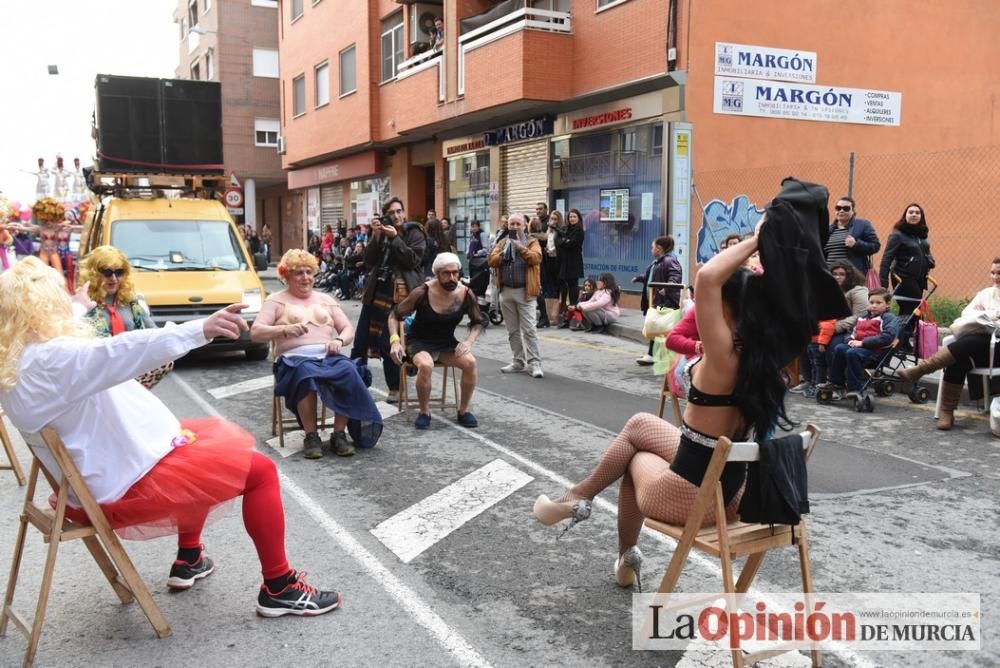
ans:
x=471 y=186
x=608 y=162
x=341 y=192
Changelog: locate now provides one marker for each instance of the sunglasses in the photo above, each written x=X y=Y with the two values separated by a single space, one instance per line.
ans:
x=108 y=273
x=842 y=208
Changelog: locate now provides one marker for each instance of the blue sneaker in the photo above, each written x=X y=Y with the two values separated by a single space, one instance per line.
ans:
x=468 y=420
x=423 y=421
x=809 y=392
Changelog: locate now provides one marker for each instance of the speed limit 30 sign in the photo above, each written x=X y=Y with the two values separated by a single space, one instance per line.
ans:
x=234 y=198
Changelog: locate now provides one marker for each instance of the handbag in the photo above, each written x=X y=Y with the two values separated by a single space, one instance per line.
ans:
x=659 y=321
x=927 y=332
x=154 y=376
x=871 y=276
x=980 y=322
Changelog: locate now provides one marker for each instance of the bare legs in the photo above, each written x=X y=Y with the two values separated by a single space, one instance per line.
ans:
x=425 y=367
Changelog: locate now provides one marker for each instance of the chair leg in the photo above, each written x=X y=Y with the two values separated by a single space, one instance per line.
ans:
x=50 y=565
x=279 y=422
x=15 y=565
x=664 y=391
x=807 y=583
x=108 y=568
x=749 y=572
x=133 y=580
x=677 y=408
x=404 y=391
x=15 y=465
x=454 y=387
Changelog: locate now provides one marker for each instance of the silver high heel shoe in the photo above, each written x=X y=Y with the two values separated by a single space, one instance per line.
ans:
x=549 y=512
x=628 y=569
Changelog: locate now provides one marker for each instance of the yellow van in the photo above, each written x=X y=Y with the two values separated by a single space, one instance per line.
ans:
x=188 y=259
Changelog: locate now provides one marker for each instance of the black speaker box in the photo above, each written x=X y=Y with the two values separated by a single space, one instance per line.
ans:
x=158 y=125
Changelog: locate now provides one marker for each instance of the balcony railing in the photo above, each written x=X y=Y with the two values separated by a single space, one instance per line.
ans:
x=527 y=18
x=419 y=63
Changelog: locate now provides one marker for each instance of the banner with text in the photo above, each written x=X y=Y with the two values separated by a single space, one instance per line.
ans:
x=764 y=62
x=801 y=102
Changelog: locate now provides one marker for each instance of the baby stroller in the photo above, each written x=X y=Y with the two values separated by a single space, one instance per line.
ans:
x=483 y=286
x=883 y=367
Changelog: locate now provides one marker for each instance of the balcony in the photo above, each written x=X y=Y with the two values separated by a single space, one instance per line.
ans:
x=526 y=54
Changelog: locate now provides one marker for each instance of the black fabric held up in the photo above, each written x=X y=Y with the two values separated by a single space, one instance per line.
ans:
x=777 y=489
x=796 y=290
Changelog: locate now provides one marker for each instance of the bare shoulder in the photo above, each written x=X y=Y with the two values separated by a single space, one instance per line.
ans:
x=325 y=299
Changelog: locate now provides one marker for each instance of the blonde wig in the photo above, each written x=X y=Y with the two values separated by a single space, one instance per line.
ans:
x=34 y=307
x=293 y=259
x=107 y=257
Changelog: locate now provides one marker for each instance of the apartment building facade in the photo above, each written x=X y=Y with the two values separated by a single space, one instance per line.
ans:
x=618 y=107
x=235 y=42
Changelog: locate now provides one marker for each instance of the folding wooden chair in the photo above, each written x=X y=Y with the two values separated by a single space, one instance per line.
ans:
x=56 y=528
x=736 y=539
x=13 y=464
x=440 y=402
x=665 y=392
x=279 y=423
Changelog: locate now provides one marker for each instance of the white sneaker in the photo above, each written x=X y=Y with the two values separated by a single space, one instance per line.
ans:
x=513 y=367
x=801 y=387
x=645 y=360
x=536 y=371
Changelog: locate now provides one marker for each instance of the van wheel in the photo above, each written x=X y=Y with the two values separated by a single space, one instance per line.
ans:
x=257 y=353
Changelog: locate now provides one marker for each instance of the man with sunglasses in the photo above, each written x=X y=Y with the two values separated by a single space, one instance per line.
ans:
x=851 y=238
x=107 y=277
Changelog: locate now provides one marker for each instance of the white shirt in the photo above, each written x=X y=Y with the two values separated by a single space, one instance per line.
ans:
x=114 y=429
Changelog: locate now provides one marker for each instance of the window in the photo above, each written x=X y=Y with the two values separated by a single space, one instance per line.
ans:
x=392 y=45
x=183 y=25
x=299 y=95
x=265 y=63
x=657 y=143
x=193 y=12
x=601 y=4
x=209 y=65
x=273 y=4
x=296 y=8
x=348 y=71
x=266 y=131
x=626 y=143
x=208 y=6
x=195 y=72
x=322 y=84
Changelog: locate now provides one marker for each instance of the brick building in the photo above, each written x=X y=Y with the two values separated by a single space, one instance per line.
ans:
x=235 y=42
x=615 y=107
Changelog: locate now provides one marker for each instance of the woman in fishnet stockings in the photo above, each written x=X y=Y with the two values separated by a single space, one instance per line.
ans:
x=661 y=466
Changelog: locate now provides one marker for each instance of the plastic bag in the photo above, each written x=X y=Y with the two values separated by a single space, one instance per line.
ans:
x=663 y=357
x=995 y=416
x=659 y=321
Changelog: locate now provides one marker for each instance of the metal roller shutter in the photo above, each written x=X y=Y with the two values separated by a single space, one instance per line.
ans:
x=331 y=204
x=525 y=176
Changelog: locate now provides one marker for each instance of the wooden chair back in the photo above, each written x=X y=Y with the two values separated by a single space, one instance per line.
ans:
x=728 y=541
x=13 y=464
x=51 y=459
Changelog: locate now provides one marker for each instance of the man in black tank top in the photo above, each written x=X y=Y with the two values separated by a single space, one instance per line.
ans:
x=439 y=306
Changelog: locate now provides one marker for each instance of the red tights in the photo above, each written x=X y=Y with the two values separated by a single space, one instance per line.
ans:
x=263 y=517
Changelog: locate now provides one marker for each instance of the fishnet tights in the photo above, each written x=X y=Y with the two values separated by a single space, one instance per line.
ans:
x=640 y=455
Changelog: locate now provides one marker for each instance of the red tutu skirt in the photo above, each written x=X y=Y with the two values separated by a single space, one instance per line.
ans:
x=193 y=485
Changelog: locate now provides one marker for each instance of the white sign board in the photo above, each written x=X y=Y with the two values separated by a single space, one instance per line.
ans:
x=763 y=62
x=802 y=102
x=680 y=193
x=367 y=207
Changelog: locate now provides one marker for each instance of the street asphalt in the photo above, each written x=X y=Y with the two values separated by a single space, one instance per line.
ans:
x=896 y=507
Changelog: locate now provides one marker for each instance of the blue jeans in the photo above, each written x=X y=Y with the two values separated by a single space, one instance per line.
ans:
x=361 y=343
x=817 y=364
x=853 y=359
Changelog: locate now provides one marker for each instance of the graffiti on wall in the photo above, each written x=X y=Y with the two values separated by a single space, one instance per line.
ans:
x=721 y=219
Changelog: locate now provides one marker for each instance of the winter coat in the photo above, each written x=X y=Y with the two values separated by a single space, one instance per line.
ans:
x=907 y=255
x=666 y=269
x=405 y=258
x=569 y=245
x=866 y=243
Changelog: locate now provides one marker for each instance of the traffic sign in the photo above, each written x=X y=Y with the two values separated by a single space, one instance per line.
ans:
x=234 y=198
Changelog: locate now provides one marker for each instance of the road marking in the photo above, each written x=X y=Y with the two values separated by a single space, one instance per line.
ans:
x=241 y=387
x=409 y=532
x=451 y=640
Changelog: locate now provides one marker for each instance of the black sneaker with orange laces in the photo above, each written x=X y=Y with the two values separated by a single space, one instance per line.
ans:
x=183 y=575
x=296 y=598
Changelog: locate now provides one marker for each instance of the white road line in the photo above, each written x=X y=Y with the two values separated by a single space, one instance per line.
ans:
x=451 y=640
x=241 y=387
x=704 y=563
x=411 y=531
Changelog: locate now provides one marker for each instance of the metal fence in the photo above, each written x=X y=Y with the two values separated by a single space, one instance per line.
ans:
x=958 y=189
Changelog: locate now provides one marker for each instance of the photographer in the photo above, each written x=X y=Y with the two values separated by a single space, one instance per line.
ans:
x=394 y=255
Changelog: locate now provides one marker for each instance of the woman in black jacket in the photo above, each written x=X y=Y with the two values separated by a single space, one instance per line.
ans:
x=907 y=260
x=570 y=247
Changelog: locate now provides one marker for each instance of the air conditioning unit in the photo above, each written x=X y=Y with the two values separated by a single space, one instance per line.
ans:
x=422 y=17
x=281 y=145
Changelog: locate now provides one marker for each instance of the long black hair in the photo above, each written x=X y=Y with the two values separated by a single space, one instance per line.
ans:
x=918 y=230
x=760 y=391
x=611 y=285
x=854 y=277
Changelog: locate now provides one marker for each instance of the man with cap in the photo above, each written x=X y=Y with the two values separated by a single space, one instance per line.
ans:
x=439 y=305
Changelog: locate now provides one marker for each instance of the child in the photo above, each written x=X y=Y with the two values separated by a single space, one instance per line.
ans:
x=817 y=357
x=601 y=310
x=874 y=330
x=574 y=316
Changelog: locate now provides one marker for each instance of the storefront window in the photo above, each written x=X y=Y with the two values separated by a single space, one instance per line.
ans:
x=615 y=179
x=469 y=195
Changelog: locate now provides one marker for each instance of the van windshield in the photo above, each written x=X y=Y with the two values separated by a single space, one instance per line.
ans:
x=179 y=245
